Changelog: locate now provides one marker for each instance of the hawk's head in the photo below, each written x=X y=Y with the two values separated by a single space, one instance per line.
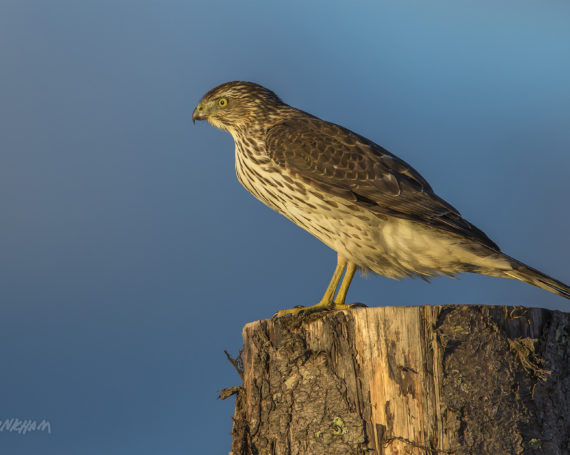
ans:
x=236 y=105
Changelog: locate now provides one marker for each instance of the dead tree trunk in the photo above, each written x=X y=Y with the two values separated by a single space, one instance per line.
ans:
x=406 y=380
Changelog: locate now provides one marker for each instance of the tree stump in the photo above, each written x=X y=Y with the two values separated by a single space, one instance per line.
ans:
x=406 y=380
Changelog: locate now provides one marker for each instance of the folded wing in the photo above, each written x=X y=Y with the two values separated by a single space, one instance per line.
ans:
x=338 y=161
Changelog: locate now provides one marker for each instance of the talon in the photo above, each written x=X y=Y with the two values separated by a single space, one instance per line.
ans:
x=358 y=305
x=301 y=310
x=291 y=312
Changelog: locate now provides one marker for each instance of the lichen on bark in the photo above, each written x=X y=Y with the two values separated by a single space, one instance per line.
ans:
x=406 y=380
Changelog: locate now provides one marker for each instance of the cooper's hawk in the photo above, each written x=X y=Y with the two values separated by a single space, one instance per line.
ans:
x=372 y=208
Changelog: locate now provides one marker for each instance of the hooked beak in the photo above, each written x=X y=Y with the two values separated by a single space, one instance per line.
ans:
x=198 y=113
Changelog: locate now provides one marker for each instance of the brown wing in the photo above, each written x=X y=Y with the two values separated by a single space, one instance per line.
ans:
x=341 y=162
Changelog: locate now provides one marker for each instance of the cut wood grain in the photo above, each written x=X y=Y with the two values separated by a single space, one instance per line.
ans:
x=406 y=380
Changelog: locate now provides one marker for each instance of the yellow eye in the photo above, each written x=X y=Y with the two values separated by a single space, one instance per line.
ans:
x=222 y=102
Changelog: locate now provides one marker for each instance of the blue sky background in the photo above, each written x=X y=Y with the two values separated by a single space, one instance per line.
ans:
x=130 y=255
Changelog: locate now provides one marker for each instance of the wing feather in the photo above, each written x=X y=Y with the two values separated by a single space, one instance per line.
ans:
x=348 y=165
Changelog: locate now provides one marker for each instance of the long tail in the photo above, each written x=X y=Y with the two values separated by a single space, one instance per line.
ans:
x=523 y=272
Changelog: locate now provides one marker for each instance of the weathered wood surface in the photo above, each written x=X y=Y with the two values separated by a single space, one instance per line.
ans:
x=406 y=380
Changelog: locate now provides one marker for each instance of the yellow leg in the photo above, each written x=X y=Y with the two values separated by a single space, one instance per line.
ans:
x=331 y=289
x=341 y=296
x=327 y=300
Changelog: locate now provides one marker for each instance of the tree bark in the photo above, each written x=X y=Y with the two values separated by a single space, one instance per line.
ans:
x=406 y=380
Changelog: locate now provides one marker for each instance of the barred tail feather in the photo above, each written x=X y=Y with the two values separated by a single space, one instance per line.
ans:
x=523 y=272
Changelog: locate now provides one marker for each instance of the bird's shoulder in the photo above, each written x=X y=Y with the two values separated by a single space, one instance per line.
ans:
x=330 y=153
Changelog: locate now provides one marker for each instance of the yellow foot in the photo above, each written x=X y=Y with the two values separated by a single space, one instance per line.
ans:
x=304 y=310
x=342 y=306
